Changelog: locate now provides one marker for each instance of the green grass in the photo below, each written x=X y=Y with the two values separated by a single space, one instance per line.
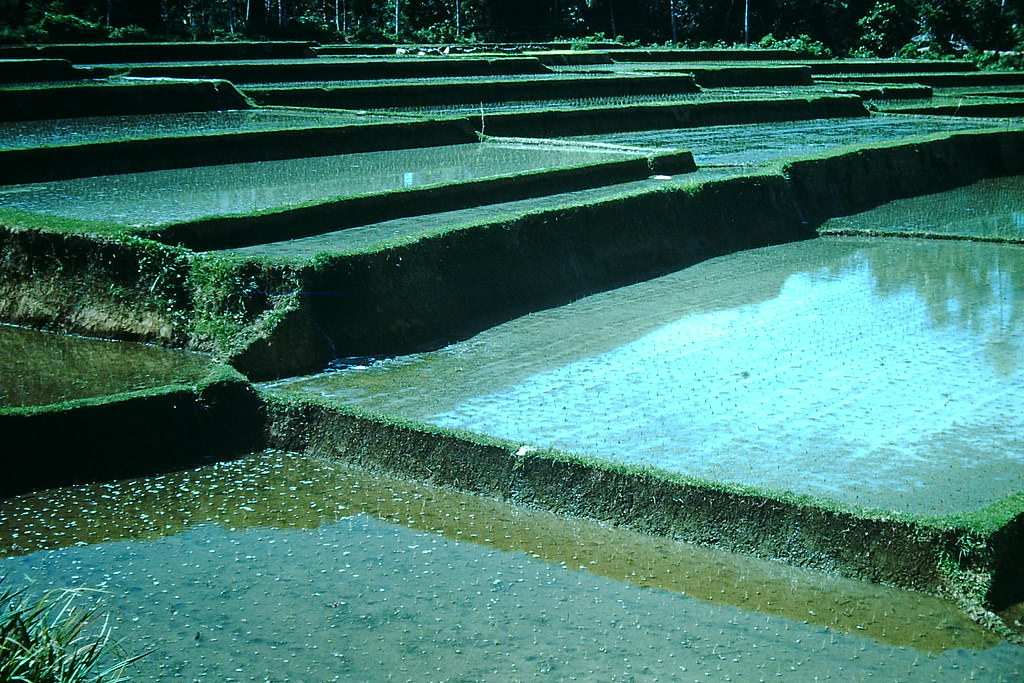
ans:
x=62 y=637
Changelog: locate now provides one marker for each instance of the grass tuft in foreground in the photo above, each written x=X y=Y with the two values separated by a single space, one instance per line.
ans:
x=57 y=639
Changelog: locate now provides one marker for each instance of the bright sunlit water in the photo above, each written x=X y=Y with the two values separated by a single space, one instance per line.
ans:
x=884 y=373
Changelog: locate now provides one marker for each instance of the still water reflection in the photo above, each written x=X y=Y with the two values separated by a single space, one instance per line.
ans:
x=159 y=197
x=880 y=373
x=38 y=368
x=277 y=567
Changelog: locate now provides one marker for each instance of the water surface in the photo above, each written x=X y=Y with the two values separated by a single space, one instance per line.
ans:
x=991 y=209
x=880 y=373
x=39 y=368
x=276 y=567
x=76 y=131
x=758 y=143
x=173 y=195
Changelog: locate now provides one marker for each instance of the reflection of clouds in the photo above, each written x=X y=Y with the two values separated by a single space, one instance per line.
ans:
x=976 y=286
x=834 y=387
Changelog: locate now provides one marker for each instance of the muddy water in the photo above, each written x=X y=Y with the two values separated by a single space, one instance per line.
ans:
x=39 y=368
x=158 y=197
x=52 y=132
x=276 y=567
x=882 y=373
x=992 y=209
x=748 y=144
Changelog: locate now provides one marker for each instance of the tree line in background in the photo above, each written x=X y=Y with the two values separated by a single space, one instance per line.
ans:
x=839 y=27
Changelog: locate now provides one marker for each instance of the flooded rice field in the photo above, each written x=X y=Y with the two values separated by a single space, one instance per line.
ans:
x=992 y=209
x=160 y=197
x=77 y=131
x=39 y=368
x=746 y=144
x=843 y=368
x=276 y=567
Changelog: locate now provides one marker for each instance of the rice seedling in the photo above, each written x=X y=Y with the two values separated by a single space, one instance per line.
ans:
x=61 y=637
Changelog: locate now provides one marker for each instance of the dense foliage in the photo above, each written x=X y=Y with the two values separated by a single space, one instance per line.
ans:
x=865 y=27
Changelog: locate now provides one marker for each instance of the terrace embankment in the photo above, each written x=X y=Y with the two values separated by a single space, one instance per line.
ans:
x=104 y=98
x=111 y=53
x=350 y=132
x=92 y=439
x=427 y=93
x=60 y=162
x=324 y=69
x=972 y=559
x=275 y=312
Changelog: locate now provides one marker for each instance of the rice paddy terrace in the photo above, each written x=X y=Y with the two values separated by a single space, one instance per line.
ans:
x=330 y=363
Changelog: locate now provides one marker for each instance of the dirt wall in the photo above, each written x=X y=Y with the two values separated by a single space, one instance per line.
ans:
x=126 y=436
x=800 y=531
x=442 y=93
x=134 y=156
x=109 y=98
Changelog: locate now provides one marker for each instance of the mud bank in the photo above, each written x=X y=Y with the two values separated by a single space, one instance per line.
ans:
x=111 y=53
x=130 y=434
x=441 y=93
x=353 y=70
x=105 y=98
x=450 y=277
x=973 y=559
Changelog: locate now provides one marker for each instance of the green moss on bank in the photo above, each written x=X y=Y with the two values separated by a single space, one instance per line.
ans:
x=130 y=434
x=966 y=558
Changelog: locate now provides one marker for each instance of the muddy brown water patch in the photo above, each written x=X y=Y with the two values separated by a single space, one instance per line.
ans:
x=38 y=368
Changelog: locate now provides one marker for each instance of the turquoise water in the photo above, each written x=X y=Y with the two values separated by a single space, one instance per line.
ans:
x=881 y=373
x=279 y=568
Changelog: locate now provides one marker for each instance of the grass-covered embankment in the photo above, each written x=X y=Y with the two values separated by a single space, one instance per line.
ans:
x=118 y=53
x=108 y=98
x=129 y=434
x=60 y=162
x=432 y=93
x=317 y=217
x=273 y=313
x=972 y=558
x=593 y=120
x=106 y=157
x=346 y=70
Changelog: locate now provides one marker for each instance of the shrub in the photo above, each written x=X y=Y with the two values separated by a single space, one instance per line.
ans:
x=67 y=28
x=54 y=639
x=803 y=45
x=130 y=34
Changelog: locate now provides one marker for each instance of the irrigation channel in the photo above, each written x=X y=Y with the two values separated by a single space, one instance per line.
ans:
x=709 y=373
